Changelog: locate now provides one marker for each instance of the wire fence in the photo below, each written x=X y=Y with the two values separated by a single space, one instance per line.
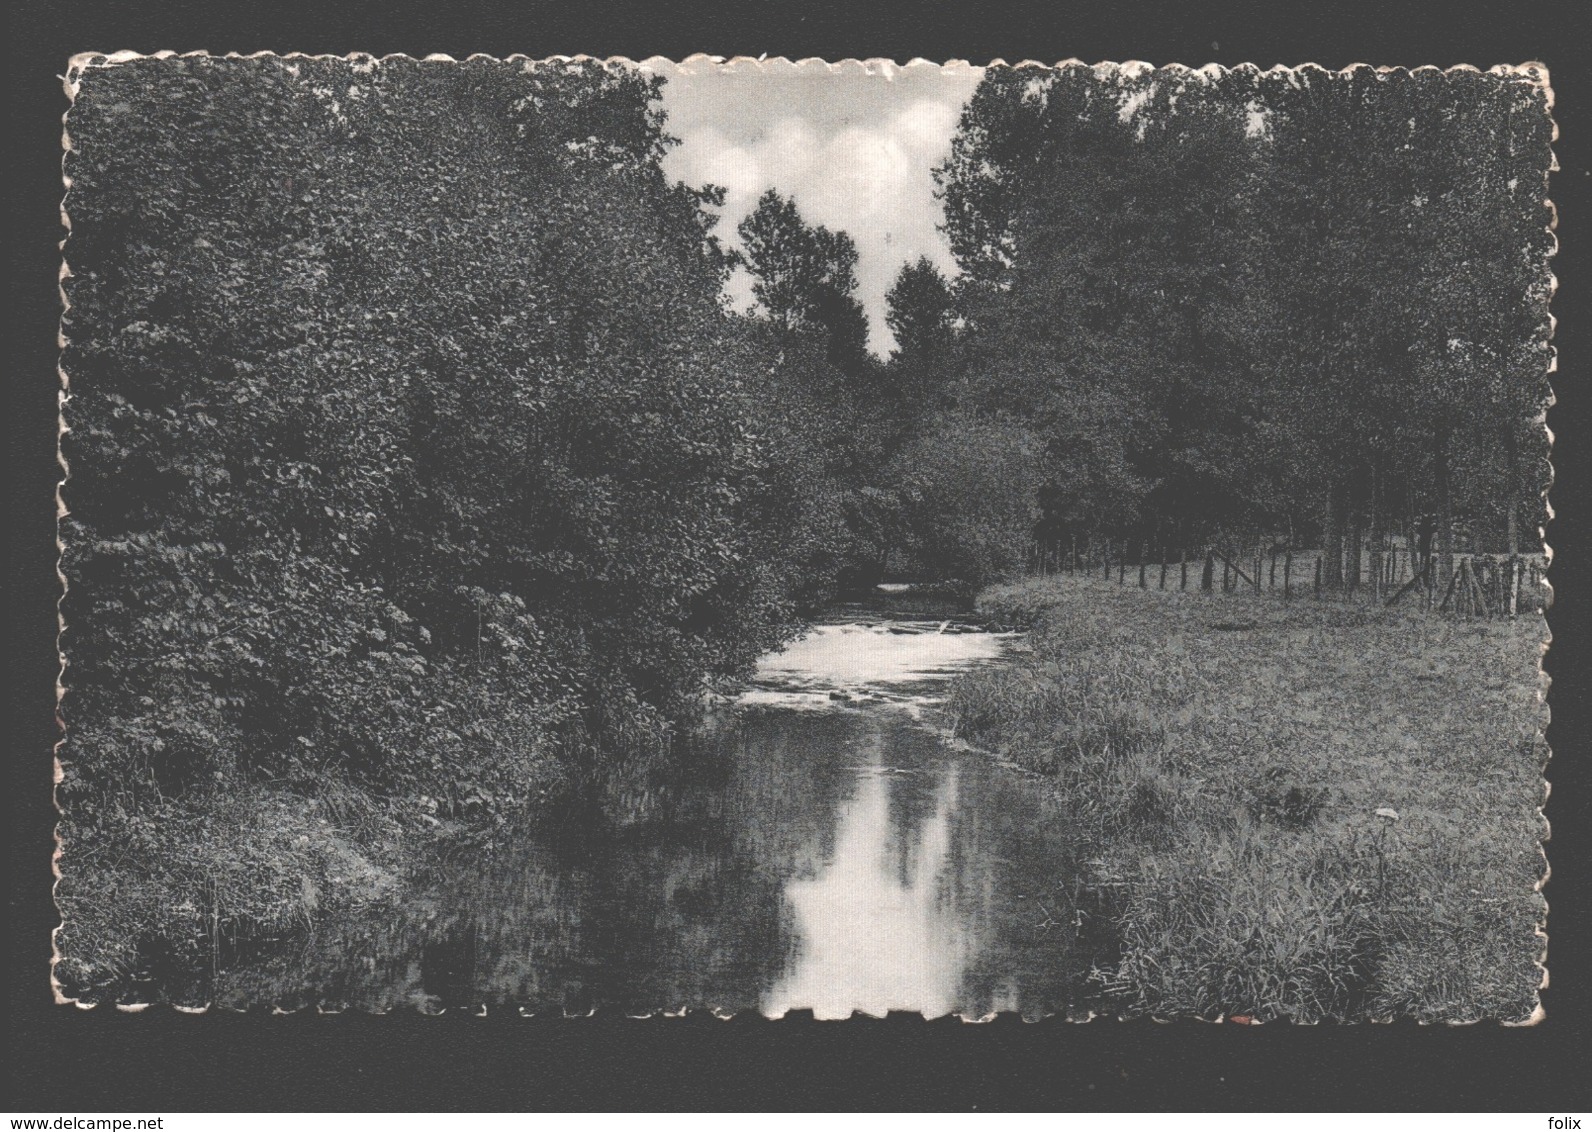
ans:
x=1468 y=585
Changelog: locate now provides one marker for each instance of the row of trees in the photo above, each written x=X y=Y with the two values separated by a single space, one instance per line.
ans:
x=1294 y=304
x=936 y=488
x=1199 y=306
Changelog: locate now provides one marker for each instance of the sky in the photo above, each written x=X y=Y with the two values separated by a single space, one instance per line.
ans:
x=854 y=144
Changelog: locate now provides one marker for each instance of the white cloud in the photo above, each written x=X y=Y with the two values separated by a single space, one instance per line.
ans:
x=855 y=149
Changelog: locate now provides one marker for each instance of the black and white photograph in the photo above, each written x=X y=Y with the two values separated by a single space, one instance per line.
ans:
x=750 y=536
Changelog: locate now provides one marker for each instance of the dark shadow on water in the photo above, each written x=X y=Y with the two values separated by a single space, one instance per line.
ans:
x=781 y=859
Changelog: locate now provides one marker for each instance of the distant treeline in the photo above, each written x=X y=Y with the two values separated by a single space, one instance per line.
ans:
x=412 y=442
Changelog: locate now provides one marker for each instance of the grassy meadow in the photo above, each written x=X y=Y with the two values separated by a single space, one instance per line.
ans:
x=1303 y=810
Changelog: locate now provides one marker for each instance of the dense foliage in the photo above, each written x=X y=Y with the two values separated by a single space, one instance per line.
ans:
x=417 y=464
x=408 y=427
x=410 y=445
x=1240 y=303
x=967 y=498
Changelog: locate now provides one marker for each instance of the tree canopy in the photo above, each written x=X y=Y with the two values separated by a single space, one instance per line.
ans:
x=408 y=431
x=1241 y=302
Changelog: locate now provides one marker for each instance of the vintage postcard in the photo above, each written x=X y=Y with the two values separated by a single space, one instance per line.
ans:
x=763 y=536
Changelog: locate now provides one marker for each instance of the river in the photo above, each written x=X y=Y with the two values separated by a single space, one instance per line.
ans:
x=821 y=845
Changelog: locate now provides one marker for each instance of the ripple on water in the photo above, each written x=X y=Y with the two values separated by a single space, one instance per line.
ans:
x=853 y=664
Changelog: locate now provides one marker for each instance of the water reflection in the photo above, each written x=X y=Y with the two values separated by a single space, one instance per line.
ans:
x=834 y=860
x=875 y=930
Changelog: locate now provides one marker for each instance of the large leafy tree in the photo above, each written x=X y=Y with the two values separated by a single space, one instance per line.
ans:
x=803 y=275
x=809 y=318
x=804 y=279
x=403 y=439
x=922 y=315
x=1109 y=282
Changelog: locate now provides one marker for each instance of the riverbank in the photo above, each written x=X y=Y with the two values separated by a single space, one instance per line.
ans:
x=1292 y=810
x=156 y=899
x=807 y=820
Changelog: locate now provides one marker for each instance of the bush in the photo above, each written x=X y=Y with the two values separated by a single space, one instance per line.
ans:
x=969 y=498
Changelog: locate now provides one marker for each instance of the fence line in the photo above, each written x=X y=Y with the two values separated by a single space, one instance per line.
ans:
x=1476 y=585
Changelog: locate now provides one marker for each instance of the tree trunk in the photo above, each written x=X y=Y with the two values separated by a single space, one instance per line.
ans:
x=1331 y=568
x=1445 y=508
x=1512 y=488
x=1374 y=533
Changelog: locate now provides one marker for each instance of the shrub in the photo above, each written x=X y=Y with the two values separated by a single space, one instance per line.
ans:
x=969 y=490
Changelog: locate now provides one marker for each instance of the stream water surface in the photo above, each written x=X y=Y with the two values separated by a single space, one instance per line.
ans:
x=820 y=846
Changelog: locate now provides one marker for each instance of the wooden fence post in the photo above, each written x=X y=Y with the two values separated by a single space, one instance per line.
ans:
x=1448 y=594
x=1208 y=577
x=1182 y=568
x=1143 y=550
x=1163 y=567
x=1122 y=565
x=1481 y=607
x=1287 y=573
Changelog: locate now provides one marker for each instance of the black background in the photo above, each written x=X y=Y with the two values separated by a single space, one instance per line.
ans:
x=63 y=1060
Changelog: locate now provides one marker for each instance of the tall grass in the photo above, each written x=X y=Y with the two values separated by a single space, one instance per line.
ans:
x=1225 y=759
x=168 y=886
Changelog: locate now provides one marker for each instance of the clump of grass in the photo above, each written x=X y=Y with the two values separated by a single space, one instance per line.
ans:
x=1100 y=703
x=1149 y=812
x=1302 y=810
x=1456 y=920
x=1232 y=923
x=156 y=895
x=1285 y=803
